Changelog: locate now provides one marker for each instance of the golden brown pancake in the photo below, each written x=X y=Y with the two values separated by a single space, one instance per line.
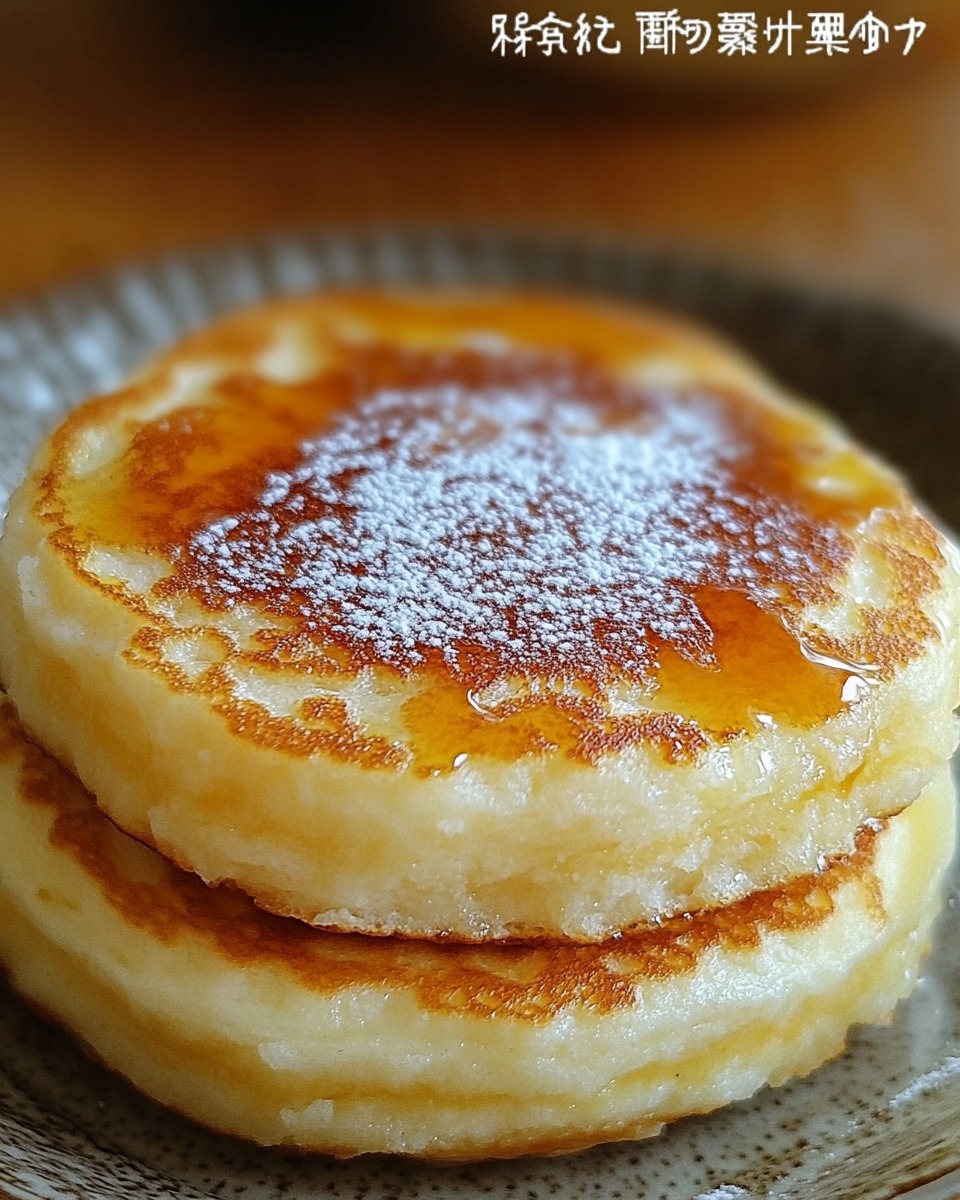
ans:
x=264 y=1027
x=475 y=616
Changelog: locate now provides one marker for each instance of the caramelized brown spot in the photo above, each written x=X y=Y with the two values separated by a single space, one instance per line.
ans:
x=179 y=471
x=525 y=981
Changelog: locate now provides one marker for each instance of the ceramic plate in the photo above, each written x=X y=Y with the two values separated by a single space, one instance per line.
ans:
x=882 y=1121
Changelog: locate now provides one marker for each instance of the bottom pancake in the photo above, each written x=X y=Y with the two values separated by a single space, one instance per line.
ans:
x=263 y=1027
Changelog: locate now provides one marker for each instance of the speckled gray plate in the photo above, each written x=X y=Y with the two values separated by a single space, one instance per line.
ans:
x=882 y=1121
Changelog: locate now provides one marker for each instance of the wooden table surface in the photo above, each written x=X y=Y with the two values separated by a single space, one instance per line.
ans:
x=122 y=137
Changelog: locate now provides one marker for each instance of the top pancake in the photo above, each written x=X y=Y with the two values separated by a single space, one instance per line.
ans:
x=476 y=616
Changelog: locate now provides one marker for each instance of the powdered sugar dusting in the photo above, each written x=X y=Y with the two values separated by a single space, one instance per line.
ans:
x=515 y=523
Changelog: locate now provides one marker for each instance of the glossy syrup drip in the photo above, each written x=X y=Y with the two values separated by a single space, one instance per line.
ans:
x=761 y=678
x=513 y=519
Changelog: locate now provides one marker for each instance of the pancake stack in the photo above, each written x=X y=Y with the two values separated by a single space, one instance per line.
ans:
x=467 y=725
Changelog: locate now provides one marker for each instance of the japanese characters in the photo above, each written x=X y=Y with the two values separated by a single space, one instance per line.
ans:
x=732 y=34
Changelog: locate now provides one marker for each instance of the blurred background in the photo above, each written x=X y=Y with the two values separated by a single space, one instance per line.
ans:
x=129 y=127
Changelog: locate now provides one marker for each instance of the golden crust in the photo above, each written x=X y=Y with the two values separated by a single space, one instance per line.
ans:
x=248 y=427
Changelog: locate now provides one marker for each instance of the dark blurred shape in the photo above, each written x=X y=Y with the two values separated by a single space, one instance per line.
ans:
x=281 y=33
